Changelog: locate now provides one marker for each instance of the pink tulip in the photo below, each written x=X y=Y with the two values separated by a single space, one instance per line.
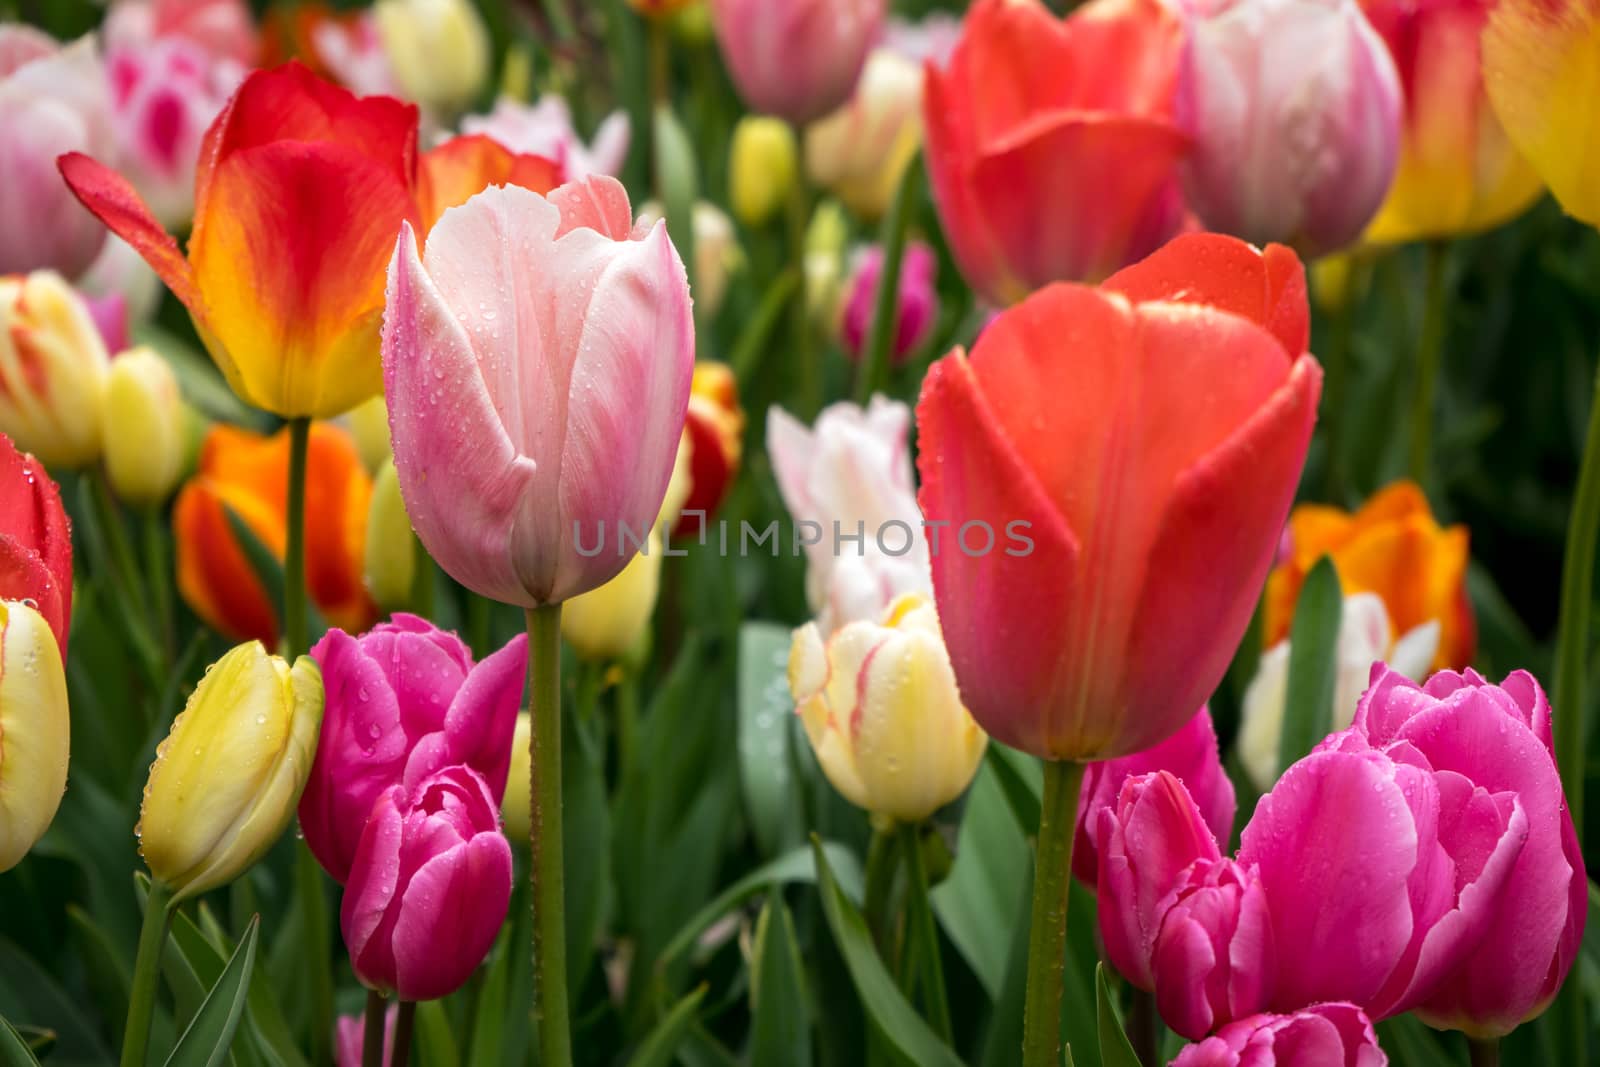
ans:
x=225 y=29
x=349 y=1037
x=1294 y=108
x=537 y=364
x=797 y=59
x=1324 y=1035
x=1489 y=744
x=403 y=700
x=429 y=887
x=546 y=129
x=52 y=100
x=1190 y=754
x=916 y=306
x=1213 y=956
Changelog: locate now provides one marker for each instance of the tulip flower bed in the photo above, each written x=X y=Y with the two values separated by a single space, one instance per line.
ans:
x=799 y=532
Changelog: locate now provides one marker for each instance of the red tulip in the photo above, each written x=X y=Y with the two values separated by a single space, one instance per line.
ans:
x=35 y=541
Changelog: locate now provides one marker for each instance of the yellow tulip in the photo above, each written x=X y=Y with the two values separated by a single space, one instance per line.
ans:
x=604 y=623
x=439 y=50
x=761 y=168
x=145 y=427
x=391 y=552
x=33 y=730
x=52 y=370
x=226 y=780
x=861 y=151
x=515 y=809
x=880 y=705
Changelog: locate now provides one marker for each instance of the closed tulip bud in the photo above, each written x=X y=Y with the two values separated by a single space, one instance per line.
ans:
x=438 y=50
x=1294 y=107
x=602 y=624
x=391 y=561
x=1213 y=955
x=429 y=887
x=797 y=59
x=368 y=423
x=860 y=151
x=761 y=168
x=52 y=370
x=713 y=427
x=515 y=807
x=1337 y=1033
x=916 y=306
x=35 y=541
x=144 y=431
x=34 y=731
x=880 y=705
x=226 y=779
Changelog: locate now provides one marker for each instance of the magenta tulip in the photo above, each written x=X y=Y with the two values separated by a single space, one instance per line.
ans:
x=429 y=887
x=1190 y=754
x=1213 y=956
x=537 y=361
x=403 y=700
x=797 y=59
x=916 y=304
x=1335 y=1035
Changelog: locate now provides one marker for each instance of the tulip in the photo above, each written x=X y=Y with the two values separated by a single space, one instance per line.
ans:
x=344 y=47
x=404 y=701
x=223 y=28
x=1393 y=547
x=34 y=738
x=880 y=707
x=1331 y=1034
x=1459 y=171
x=144 y=431
x=1190 y=755
x=1488 y=747
x=713 y=431
x=302 y=173
x=1094 y=510
x=1538 y=62
x=517 y=288
x=716 y=251
x=35 y=541
x=350 y=1038
x=861 y=151
x=516 y=806
x=52 y=370
x=796 y=59
x=438 y=50
x=1051 y=145
x=1365 y=638
x=852 y=470
x=762 y=162
x=52 y=100
x=429 y=887
x=1294 y=107
x=545 y=129
x=1213 y=956
x=391 y=554
x=603 y=624
x=917 y=309
x=247 y=474
x=226 y=779
x=461 y=167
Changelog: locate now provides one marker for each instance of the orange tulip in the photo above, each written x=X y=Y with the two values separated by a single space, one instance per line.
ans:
x=462 y=167
x=247 y=473
x=1393 y=547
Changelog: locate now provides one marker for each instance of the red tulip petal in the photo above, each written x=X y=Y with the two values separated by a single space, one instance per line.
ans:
x=114 y=201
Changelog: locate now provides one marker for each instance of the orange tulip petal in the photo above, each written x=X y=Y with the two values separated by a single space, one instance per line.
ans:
x=462 y=167
x=214 y=574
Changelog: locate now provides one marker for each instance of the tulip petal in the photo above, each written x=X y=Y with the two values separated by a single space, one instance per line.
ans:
x=483 y=716
x=451 y=174
x=598 y=203
x=110 y=196
x=452 y=909
x=375 y=878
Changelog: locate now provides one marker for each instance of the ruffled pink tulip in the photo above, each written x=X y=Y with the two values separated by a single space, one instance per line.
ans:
x=797 y=59
x=1294 y=107
x=1213 y=955
x=1191 y=755
x=916 y=306
x=403 y=700
x=429 y=887
x=1489 y=744
x=537 y=363
x=1325 y=1035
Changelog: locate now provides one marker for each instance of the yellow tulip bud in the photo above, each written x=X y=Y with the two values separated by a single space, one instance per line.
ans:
x=880 y=705
x=861 y=151
x=145 y=427
x=33 y=730
x=52 y=370
x=604 y=623
x=516 y=808
x=391 y=554
x=761 y=168
x=226 y=780
x=368 y=423
x=439 y=50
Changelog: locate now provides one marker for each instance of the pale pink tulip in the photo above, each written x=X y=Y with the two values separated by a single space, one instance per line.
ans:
x=546 y=129
x=797 y=59
x=1335 y=1035
x=537 y=363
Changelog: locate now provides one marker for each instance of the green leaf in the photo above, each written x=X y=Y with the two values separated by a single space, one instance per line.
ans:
x=886 y=305
x=490 y=1011
x=1313 y=663
x=27 y=992
x=678 y=179
x=977 y=903
x=268 y=570
x=14 y=1051
x=765 y=709
x=267 y=1035
x=586 y=816
x=662 y=1042
x=780 y=1030
x=210 y=1035
x=901 y=1028
x=435 y=1044
x=1115 y=1049
x=1022 y=779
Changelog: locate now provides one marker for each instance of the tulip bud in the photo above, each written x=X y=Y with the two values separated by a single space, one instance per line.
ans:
x=515 y=806
x=1213 y=954
x=714 y=429
x=860 y=151
x=391 y=555
x=797 y=59
x=368 y=423
x=33 y=730
x=761 y=168
x=438 y=49
x=144 y=428
x=604 y=623
x=225 y=781
x=52 y=370
x=880 y=705
x=916 y=303
x=1323 y=1033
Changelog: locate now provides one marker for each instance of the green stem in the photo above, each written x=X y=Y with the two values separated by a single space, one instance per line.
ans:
x=127 y=570
x=146 y=974
x=810 y=398
x=1047 y=931
x=1430 y=349
x=479 y=614
x=1141 y=1026
x=550 y=930
x=294 y=557
x=919 y=915
x=313 y=905
x=422 y=582
x=1572 y=630
x=372 y=1030
x=159 y=569
x=1336 y=385
x=1484 y=1053
x=881 y=861
x=115 y=559
x=405 y=1021
x=627 y=728
x=660 y=65
x=886 y=308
